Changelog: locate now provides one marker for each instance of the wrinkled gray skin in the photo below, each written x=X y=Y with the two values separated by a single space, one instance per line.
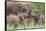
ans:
x=21 y=12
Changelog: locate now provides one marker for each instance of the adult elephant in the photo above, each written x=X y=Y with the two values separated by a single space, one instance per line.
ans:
x=18 y=8
x=36 y=15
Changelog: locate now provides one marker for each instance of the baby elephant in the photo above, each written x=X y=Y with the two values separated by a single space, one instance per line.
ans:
x=13 y=19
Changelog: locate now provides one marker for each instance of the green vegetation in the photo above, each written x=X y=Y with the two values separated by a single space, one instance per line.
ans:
x=33 y=5
x=26 y=26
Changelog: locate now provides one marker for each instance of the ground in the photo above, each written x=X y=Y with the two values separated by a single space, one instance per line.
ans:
x=26 y=26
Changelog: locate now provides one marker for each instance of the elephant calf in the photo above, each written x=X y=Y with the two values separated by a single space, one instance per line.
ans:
x=13 y=19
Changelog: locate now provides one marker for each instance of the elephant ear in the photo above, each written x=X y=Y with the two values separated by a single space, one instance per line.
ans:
x=12 y=5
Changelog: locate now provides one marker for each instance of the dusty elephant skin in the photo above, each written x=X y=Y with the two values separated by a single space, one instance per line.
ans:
x=13 y=20
x=24 y=15
x=18 y=9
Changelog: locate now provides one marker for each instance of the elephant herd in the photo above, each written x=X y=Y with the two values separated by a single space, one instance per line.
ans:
x=20 y=13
